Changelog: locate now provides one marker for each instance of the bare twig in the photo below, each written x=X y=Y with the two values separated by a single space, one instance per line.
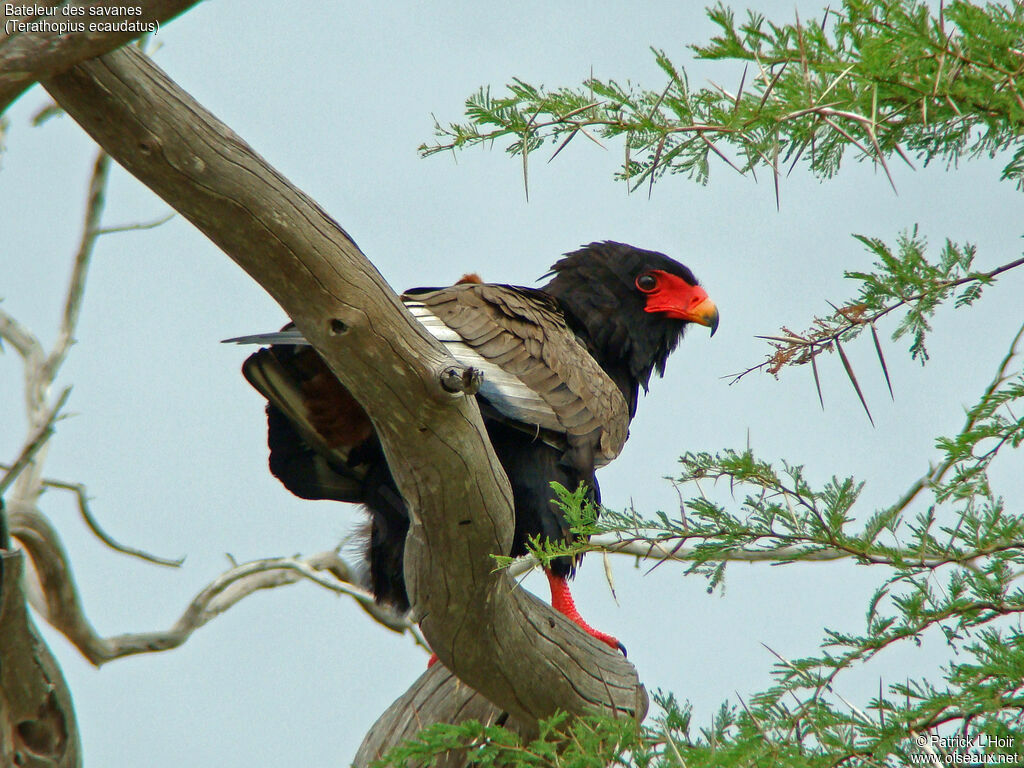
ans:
x=40 y=369
x=19 y=337
x=136 y=227
x=76 y=286
x=56 y=595
x=93 y=524
x=34 y=443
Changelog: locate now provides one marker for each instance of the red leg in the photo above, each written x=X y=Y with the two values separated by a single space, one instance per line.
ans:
x=561 y=601
x=432 y=660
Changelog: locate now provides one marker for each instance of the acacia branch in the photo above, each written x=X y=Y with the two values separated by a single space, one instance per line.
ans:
x=809 y=347
x=935 y=474
x=805 y=550
x=500 y=641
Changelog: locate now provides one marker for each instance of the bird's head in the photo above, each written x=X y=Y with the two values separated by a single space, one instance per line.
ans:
x=670 y=289
x=630 y=304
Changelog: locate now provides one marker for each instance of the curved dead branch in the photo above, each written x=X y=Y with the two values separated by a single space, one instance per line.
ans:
x=498 y=640
x=82 y=500
x=37 y=721
x=54 y=595
x=440 y=695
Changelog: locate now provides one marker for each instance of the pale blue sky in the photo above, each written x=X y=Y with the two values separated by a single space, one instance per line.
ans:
x=170 y=439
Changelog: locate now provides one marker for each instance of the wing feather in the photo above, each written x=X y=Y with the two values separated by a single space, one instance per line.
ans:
x=536 y=373
x=550 y=381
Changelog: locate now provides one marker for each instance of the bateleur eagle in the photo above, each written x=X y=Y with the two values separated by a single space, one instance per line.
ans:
x=562 y=369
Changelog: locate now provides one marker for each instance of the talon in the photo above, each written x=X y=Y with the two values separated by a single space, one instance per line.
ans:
x=562 y=601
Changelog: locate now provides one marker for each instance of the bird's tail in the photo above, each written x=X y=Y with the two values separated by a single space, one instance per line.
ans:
x=311 y=432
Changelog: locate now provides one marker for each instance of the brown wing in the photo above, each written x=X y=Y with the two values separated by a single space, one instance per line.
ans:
x=535 y=371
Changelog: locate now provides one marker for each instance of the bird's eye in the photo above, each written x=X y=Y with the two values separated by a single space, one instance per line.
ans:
x=646 y=282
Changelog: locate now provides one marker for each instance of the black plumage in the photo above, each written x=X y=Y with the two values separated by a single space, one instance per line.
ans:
x=563 y=366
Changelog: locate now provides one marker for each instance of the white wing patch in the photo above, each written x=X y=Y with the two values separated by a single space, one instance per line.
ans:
x=504 y=390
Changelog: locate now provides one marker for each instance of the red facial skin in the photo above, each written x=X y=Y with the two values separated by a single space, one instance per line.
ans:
x=674 y=297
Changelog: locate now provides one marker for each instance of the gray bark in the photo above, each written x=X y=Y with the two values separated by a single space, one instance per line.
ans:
x=505 y=644
x=37 y=720
x=29 y=56
x=441 y=697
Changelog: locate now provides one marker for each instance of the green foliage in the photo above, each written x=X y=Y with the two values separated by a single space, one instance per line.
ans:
x=590 y=742
x=904 y=279
x=907 y=273
x=956 y=92
x=795 y=724
x=581 y=515
x=879 y=79
x=949 y=567
x=882 y=77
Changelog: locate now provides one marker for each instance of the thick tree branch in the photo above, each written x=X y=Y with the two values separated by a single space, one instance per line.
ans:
x=497 y=639
x=37 y=721
x=439 y=696
x=33 y=48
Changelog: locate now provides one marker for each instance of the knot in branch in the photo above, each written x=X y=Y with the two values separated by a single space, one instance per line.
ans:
x=456 y=379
